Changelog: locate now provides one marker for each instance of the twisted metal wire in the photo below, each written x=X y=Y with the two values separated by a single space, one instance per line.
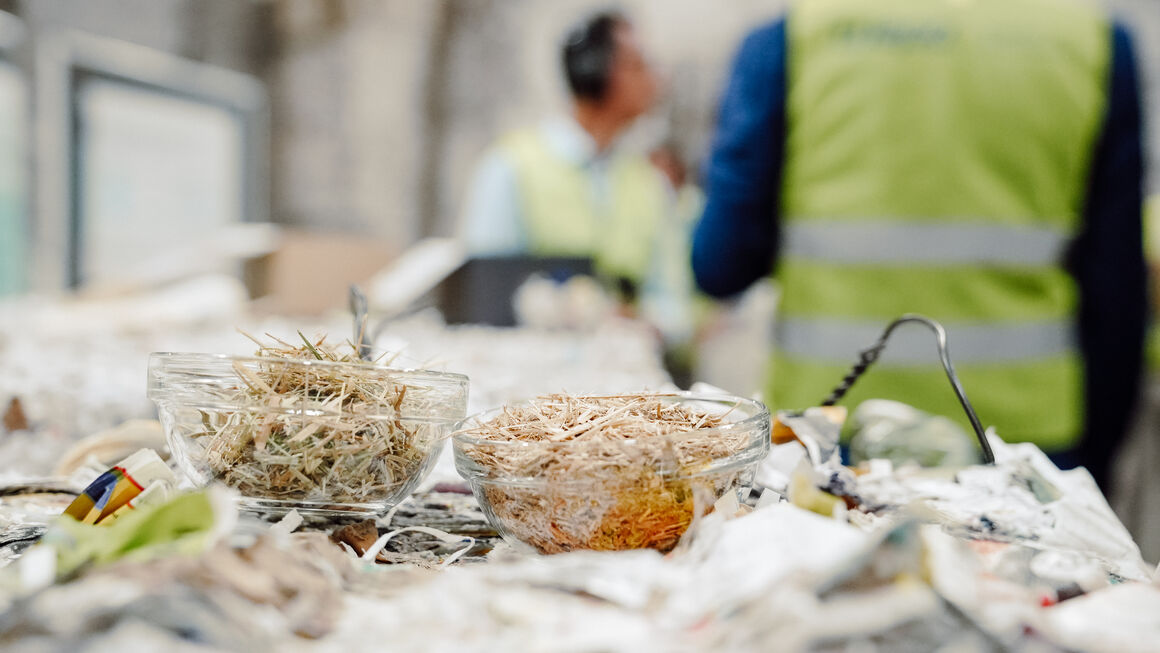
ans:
x=869 y=356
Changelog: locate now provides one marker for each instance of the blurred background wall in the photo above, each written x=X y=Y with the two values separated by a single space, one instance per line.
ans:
x=380 y=108
x=222 y=32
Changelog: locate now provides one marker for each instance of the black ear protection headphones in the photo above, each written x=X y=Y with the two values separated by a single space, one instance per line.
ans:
x=587 y=55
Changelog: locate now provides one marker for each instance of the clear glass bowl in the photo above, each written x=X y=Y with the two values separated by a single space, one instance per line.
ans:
x=612 y=495
x=316 y=436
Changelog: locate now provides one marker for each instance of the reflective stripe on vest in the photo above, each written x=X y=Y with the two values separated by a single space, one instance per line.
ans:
x=563 y=216
x=936 y=160
x=831 y=341
x=946 y=242
x=999 y=393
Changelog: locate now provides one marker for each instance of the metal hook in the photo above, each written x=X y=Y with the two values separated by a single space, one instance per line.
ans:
x=868 y=356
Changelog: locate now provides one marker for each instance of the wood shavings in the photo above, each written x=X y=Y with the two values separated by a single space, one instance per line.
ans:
x=358 y=536
x=14 y=418
x=568 y=472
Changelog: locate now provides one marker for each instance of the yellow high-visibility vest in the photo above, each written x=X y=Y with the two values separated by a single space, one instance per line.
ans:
x=564 y=215
x=937 y=156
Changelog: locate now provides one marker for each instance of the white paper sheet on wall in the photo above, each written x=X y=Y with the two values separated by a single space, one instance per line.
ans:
x=156 y=173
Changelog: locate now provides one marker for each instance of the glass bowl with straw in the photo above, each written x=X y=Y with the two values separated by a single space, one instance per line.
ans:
x=609 y=472
x=305 y=427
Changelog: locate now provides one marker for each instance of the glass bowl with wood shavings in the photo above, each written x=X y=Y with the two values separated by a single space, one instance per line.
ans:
x=305 y=428
x=609 y=472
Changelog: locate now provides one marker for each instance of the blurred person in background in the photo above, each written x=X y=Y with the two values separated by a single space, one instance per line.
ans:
x=672 y=298
x=687 y=197
x=977 y=162
x=566 y=188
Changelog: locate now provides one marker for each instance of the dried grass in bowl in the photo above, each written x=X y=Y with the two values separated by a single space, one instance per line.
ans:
x=566 y=472
x=310 y=425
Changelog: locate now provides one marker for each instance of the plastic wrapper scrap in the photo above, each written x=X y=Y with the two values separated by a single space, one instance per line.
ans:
x=250 y=598
x=186 y=524
x=142 y=479
x=171 y=570
x=779 y=578
x=1022 y=498
x=1017 y=556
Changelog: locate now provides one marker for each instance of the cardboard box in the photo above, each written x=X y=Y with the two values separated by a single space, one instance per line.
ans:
x=311 y=272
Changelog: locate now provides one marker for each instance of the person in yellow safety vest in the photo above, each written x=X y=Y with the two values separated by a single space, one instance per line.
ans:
x=567 y=188
x=978 y=162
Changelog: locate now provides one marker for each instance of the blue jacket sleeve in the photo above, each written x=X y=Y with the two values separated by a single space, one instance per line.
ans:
x=1107 y=260
x=735 y=242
